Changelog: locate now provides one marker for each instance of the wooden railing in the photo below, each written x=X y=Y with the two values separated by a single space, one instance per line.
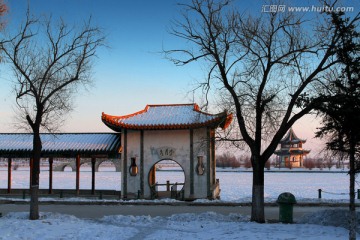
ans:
x=170 y=187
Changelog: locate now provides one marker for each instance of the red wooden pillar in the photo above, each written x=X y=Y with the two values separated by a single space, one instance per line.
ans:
x=93 y=161
x=77 y=174
x=9 y=176
x=31 y=169
x=51 y=175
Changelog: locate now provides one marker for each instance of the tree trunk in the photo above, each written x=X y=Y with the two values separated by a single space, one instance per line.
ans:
x=257 y=208
x=34 y=187
x=352 y=212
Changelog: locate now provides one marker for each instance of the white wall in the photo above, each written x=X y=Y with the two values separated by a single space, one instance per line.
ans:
x=178 y=141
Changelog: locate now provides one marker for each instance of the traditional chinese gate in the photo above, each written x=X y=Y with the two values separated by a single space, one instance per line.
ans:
x=179 y=132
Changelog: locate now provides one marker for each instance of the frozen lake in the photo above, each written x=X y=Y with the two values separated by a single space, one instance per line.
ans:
x=235 y=186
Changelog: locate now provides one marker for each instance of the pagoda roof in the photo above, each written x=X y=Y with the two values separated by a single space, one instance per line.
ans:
x=168 y=116
x=291 y=138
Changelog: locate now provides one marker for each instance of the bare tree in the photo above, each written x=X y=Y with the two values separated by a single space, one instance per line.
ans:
x=329 y=160
x=3 y=11
x=264 y=68
x=50 y=61
x=319 y=162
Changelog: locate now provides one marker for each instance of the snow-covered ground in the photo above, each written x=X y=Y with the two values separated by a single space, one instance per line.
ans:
x=180 y=226
x=236 y=187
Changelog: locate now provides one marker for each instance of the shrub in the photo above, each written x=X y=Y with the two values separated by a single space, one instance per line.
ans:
x=319 y=163
x=227 y=160
x=340 y=164
x=329 y=162
x=309 y=163
x=247 y=163
x=268 y=164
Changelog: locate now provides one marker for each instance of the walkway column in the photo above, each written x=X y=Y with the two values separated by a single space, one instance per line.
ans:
x=93 y=161
x=31 y=169
x=50 y=174
x=213 y=158
x=124 y=165
x=191 y=163
x=9 y=176
x=208 y=156
x=142 y=163
x=77 y=174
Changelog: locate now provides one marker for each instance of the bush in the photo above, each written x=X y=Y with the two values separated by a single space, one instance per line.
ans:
x=268 y=164
x=319 y=163
x=340 y=164
x=247 y=163
x=309 y=163
x=329 y=160
x=227 y=160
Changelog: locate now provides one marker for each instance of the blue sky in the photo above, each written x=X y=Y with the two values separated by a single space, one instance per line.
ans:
x=131 y=72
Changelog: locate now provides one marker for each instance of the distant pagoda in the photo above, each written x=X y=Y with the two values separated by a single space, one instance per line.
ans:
x=291 y=154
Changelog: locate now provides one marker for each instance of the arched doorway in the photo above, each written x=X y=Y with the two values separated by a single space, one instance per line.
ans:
x=67 y=168
x=166 y=179
x=107 y=166
x=107 y=177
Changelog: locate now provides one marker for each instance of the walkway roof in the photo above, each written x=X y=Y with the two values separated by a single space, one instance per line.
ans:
x=18 y=145
x=168 y=116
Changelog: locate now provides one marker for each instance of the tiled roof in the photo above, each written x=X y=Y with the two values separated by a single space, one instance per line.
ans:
x=21 y=144
x=175 y=116
x=291 y=138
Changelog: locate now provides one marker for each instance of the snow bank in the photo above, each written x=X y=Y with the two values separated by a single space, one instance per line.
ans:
x=330 y=217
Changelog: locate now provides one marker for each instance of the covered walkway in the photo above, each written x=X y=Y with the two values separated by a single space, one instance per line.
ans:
x=61 y=145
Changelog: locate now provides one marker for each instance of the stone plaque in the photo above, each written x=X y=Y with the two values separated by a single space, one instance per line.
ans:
x=166 y=152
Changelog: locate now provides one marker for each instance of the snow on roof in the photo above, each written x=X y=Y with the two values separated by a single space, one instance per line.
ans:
x=174 y=116
x=291 y=138
x=12 y=143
